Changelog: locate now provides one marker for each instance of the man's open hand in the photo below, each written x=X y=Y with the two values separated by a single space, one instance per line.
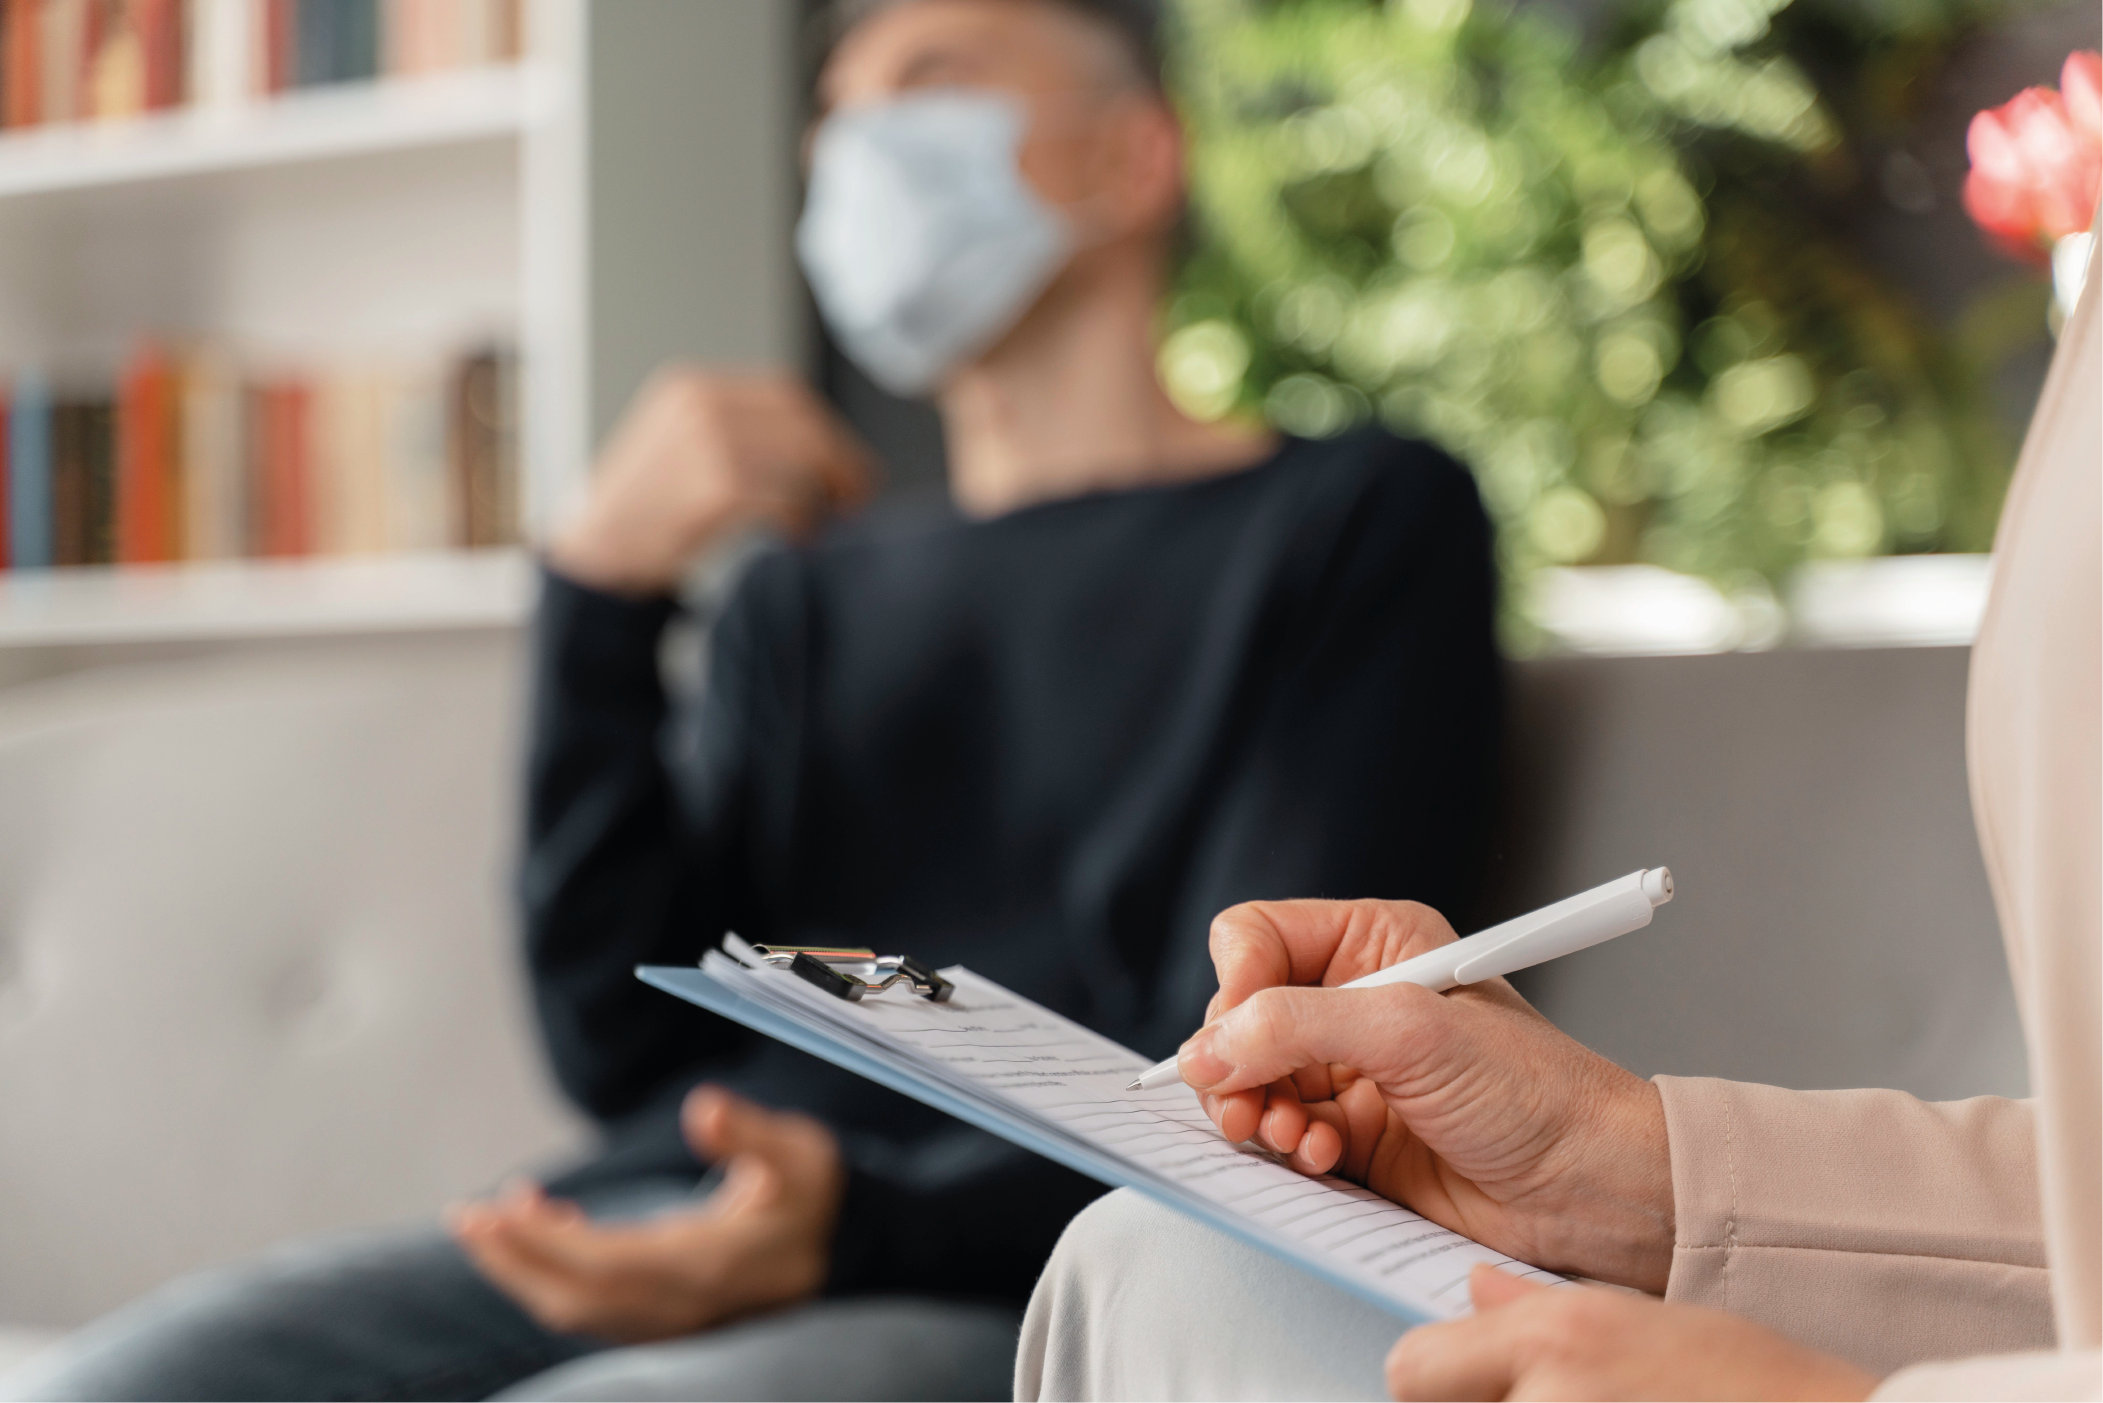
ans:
x=1469 y=1107
x=698 y=456
x=761 y=1240
x=1526 y=1340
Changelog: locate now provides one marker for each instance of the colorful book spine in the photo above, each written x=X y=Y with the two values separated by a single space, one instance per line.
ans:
x=186 y=460
x=282 y=525
x=508 y=30
x=338 y=40
x=29 y=473
x=116 y=63
x=6 y=489
x=214 y=505
x=413 y=421
x=314 y=42
x=162 y=28
x=358 y=29
x=146 y=488
x=484 y=455
x=358 y=41
x=99 y=439
x=69 y=486
x=277 y=65
x=349 y=458
x=255 y=433
x=217 y=43
x=24 y=62
x=410 y=41
x=62 y=35
x=71 y=496
x=80 y=60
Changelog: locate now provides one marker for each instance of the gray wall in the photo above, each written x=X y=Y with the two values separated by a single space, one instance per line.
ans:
x=694 y=113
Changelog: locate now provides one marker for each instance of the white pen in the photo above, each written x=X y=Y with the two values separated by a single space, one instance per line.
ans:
x=1572 y=924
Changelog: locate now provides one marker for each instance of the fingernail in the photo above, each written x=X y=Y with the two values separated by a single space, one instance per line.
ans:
x=1199 y=1064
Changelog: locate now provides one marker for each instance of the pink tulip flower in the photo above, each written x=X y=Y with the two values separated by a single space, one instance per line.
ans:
x=2037 y=162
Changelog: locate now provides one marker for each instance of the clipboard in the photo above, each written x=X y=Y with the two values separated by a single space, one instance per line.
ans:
x=1058 y=1090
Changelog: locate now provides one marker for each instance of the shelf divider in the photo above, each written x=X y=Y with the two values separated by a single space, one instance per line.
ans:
x=314 y=124
x=237 y=599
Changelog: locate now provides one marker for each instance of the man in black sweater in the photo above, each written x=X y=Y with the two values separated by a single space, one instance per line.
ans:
x=1143 y=669
x=1139 y=669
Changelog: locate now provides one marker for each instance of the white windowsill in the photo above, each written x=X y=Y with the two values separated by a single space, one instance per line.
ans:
x=1891 y=602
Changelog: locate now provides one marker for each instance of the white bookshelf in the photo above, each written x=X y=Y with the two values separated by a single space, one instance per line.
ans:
x=314 y=124
x=219 y=600
x=620 y=196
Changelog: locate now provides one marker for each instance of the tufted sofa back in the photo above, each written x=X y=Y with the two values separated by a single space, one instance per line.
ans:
x=256 y=971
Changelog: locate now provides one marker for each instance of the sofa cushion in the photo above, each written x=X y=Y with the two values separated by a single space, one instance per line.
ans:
x=256 y=957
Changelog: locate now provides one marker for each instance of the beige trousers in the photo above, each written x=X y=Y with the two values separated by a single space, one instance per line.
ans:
x=1139 y=1301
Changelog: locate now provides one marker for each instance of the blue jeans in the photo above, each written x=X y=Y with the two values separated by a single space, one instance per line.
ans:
x=402 y=1314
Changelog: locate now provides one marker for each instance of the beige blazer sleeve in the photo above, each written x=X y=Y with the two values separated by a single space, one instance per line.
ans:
x=2035 y=743
x=2034 y=739
x=1894 y=1232
x=1880 y=1228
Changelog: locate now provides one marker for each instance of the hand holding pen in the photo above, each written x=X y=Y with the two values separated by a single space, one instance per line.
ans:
x=1576 y=923
x=1469 y=1107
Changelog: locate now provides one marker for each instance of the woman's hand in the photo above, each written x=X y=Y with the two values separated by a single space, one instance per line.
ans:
x=1468 y=1107
x=1526 y=1340
x=763 y=1239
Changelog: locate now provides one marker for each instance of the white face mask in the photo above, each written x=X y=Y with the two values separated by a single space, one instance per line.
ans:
x=921 y=239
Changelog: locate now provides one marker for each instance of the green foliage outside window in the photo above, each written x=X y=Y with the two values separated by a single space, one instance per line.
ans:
x=1590 y=277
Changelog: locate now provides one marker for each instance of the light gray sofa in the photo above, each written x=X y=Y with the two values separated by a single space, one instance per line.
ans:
x=1833 y=925
x=256 y=975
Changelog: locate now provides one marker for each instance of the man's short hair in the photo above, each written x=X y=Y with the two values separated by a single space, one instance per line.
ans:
x=1135 y=25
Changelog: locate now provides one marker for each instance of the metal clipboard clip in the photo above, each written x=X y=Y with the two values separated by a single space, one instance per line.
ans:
x=851 y=973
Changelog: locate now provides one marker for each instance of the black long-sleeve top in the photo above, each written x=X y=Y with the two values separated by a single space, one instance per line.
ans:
x=1050 y=746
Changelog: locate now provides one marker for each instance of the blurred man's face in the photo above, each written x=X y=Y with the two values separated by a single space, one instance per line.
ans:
x=1068 y=71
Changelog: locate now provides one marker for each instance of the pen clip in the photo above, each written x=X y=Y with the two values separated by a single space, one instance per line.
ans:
x=1564 y=933
x=1488 y=965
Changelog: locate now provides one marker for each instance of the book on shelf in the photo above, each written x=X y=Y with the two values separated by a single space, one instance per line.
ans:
x=145 y=524
x=277 y=469
x=208 y=434
x=7 y=535
x=187 y=456
x=93 y=60
x=424 y=36
x=482 y=419
x=29 y=472
x=336 y=41
x=82 y=490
